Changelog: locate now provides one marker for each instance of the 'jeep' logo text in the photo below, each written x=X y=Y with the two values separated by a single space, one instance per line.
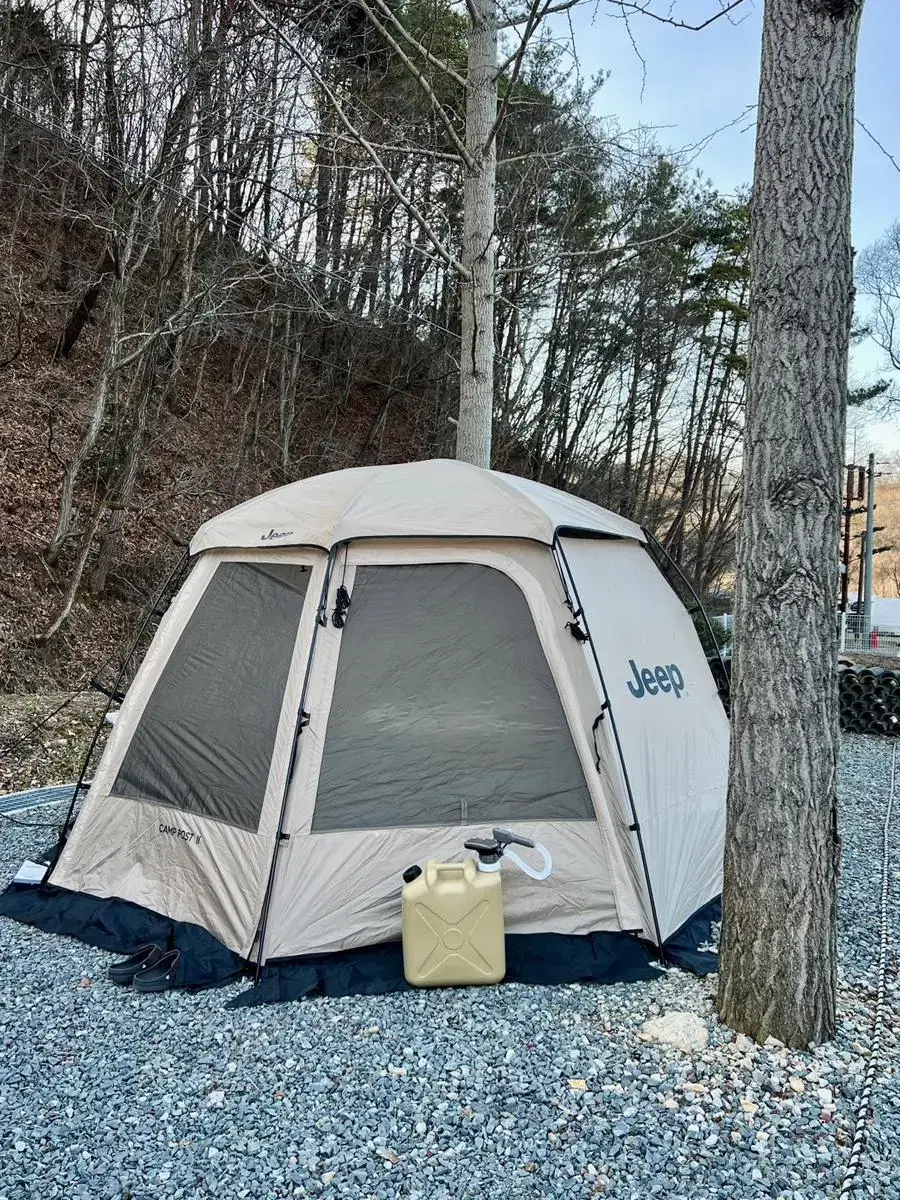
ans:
x=274 y=534
x=651 y=680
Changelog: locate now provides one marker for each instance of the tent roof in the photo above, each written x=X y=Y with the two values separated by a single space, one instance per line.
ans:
x=435 y=498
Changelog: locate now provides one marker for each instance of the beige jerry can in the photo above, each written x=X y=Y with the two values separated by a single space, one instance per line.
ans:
x=453 y=931
x=453 y=926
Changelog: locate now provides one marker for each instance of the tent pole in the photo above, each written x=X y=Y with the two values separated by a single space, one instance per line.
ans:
x=86 y=762
x=655 y=544
x=302 y=720
x=581 y=616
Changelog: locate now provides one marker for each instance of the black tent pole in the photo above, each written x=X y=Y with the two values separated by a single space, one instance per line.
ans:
x=66 y=828
x=578 y=612
x=300 y=723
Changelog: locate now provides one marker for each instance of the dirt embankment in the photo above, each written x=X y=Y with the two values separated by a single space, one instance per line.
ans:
x=54 y=752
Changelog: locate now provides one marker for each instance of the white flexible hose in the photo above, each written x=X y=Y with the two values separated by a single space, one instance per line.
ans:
x=542 y=872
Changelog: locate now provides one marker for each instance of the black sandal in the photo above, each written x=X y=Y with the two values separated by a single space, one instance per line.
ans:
x=124 y=972
x=159 y=977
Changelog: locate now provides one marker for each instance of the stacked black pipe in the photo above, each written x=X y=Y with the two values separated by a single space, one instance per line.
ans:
x=870 y=700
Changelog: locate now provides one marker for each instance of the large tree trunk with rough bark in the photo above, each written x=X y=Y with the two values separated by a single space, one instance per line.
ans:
x=479 y=246
x=778 y=958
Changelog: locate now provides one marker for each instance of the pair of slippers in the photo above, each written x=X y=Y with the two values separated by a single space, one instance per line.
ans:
x=149 y=969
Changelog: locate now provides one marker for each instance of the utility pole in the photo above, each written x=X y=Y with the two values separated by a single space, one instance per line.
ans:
x=856 y=491
x=859 y=590
x=845 y=573
x=870 y=545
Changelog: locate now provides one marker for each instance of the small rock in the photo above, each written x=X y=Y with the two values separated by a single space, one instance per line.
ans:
x=796 y=1085
x=683 y=1030
x=216 y=1099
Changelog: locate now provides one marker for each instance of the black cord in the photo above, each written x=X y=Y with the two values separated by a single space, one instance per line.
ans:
x=173 y=579
x=40 y=824
x=29 y=824
x=80 y=787
x=40 y=724
x=89 y=683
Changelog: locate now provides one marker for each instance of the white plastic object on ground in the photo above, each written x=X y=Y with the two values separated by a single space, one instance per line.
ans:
x=30 y=872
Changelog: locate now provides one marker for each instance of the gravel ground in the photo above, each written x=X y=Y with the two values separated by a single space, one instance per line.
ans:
x=530 y=1092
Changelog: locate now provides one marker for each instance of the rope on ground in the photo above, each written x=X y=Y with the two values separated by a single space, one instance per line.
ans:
x=860 y=1134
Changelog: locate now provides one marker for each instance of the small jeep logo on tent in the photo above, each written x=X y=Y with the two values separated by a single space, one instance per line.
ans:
x=649 y=681
x=274 y=534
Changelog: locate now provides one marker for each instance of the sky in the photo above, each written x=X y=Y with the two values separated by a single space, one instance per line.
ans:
x=696 y=83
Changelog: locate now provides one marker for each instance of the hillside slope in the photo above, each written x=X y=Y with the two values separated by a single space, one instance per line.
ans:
x=211 y=444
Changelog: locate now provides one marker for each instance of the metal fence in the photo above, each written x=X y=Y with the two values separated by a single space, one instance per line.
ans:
x=854 y=637
x=857 y=638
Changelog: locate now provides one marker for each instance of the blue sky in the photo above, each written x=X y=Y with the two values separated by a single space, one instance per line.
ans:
x=699 y=82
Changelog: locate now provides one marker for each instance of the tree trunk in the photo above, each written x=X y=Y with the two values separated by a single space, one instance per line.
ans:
x=479 y=247
x=778 y=969
x=104 y=389
x=83 y=311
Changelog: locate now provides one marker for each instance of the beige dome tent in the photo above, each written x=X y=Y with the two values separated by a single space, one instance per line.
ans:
x=366 y=668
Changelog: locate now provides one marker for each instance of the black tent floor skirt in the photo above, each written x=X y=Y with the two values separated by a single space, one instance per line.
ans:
x=538 y=958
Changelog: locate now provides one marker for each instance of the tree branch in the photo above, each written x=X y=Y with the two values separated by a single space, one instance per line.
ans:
x=62 y=615
x=424 y=84
x=562 y=6
x=535 y=15
x=634 y=6
x=885 y=152
x=390 y=16
x=413 y=210
x=599 y=250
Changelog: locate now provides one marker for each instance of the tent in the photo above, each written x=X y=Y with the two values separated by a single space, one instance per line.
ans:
x=366 y=668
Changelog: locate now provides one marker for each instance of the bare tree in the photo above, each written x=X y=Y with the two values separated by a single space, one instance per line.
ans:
x=878 y=277
x=473 y=149
x=320 y=215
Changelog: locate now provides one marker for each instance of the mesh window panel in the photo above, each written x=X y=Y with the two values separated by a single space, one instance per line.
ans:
x=205 y=739
x=444 y=709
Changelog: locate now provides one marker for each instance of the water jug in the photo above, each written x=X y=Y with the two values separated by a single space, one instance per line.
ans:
x=453 y=931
